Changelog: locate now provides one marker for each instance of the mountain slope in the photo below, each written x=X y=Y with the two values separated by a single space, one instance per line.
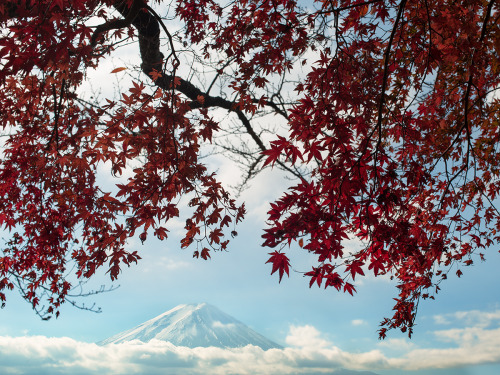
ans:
x=192 y=326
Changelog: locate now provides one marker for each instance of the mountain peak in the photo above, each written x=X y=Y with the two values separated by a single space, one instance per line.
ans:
x=194 y=325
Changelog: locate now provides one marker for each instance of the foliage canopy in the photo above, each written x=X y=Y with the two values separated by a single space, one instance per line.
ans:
x=391 y=131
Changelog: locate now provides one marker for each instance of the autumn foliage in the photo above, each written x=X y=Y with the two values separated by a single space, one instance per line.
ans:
x=392 y=134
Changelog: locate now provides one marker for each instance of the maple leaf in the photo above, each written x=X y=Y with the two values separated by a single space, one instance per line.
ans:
x=355 y=268
x=349 y=288
x=116 y=70
x=280 y=263
x=155 y=74
x=316 y=275
x=275 y=151
x=378 y=266
x=215 y=236
x=205 y=253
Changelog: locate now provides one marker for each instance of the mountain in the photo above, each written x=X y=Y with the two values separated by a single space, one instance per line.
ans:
x=192 y=326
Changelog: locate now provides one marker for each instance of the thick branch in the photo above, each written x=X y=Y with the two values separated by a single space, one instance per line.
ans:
x=149 y=36
x=130 y=15
x=148 y=29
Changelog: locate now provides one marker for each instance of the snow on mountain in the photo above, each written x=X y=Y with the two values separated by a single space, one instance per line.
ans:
x=194 y=325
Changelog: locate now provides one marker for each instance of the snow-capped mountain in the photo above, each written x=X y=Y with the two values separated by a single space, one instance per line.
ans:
x=192 y=326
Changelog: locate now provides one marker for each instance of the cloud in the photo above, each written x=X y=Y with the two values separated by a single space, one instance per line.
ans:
x=305 y=337
x=476 y=341
x=397 y=344
x=474 y=318
x=441 y=320
x=475 y=346
x=358 y=322
x=42 y=355
x=308 y=353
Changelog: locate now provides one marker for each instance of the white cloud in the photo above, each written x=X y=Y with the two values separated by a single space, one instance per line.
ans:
x=309 y=353
x=42 y=355
x=441 y=320
x=397 y=344
x=474 y=346
x=358 y=322
x=305 y=337
x=477 y=318
x=475 y=341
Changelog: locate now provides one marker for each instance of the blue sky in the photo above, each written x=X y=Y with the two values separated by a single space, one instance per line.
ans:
x=321 y=329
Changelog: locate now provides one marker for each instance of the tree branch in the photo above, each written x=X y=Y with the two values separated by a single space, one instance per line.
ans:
x=148 y=28
x=132 y=12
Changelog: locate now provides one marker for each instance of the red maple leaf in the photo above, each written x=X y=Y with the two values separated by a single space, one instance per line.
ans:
x=280 y=263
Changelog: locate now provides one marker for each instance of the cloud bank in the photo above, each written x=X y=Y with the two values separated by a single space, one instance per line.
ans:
x=308 y=353
x=41 y=355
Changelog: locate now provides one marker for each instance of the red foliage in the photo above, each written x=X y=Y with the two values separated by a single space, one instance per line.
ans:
x=395 y=123
x=280 y=263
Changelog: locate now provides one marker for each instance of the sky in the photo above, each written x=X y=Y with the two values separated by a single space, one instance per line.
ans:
x=322 y=331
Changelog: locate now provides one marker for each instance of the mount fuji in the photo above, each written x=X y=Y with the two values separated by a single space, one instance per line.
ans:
x=194 y=325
